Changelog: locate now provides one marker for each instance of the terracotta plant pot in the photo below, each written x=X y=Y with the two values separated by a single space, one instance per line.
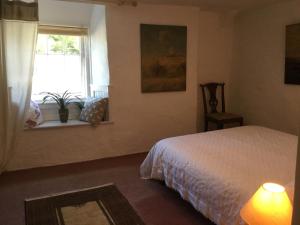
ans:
x=63 y=115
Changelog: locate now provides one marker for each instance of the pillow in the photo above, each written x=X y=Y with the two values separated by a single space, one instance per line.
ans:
x=33 y=116
x=94 y=111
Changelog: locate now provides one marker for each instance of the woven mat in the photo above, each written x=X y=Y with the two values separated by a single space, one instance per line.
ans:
x=104 y=205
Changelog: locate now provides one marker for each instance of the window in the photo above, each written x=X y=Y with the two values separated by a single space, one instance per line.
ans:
x=61 y=62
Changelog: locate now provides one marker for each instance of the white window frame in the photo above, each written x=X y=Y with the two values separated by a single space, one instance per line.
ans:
x=85 y=49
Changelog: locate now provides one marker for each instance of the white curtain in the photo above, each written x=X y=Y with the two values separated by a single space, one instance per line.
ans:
x=18 y=32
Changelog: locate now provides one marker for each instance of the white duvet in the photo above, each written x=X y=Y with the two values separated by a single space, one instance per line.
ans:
x=217 y=172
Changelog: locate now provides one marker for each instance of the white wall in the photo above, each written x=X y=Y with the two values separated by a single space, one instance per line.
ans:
x=259 y=92
x=139 y=119
x=215 y=54
x=99 y=65
x=64 y=13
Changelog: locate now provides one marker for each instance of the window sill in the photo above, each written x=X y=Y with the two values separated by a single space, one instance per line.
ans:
x=70 y=123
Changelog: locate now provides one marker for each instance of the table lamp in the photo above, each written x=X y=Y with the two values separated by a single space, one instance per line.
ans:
x=270 y=205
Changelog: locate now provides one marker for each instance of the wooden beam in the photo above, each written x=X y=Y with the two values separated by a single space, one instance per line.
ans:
x=103 y=2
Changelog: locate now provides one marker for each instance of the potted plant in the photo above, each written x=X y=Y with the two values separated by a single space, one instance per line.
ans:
x=62 y=101
x=80 y=103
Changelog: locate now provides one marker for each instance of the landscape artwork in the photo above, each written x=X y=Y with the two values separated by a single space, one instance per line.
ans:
x=163 y=58
x=292 y=58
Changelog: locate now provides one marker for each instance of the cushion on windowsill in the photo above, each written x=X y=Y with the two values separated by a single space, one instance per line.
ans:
x=94 y=111
x=33 y=116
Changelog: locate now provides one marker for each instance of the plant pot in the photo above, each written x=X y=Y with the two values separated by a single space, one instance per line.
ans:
x=63 y=115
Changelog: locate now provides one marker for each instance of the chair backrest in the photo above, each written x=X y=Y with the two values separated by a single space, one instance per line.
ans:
x=212 y=101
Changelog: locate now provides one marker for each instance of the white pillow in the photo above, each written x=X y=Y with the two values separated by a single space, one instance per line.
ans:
x=33 y=116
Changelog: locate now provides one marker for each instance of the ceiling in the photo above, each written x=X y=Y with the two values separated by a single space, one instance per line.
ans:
x=234 y=5
x=216 y=4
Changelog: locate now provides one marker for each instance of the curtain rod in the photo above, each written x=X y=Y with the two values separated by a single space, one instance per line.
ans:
x=118 y=2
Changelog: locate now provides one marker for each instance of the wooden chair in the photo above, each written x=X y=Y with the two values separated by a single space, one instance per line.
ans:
x=219 y=118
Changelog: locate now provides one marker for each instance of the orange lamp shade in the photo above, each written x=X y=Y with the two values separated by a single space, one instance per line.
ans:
x=270 y=205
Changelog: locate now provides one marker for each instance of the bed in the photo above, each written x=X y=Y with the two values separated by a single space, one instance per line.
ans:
x=218 y=171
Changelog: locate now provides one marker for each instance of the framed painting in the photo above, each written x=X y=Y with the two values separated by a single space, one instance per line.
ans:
x=163 y=58
x=292 y=57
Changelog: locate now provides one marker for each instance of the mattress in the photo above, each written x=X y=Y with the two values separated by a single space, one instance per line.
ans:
x=218 y=171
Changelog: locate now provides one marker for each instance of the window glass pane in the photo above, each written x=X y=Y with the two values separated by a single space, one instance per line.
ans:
x=58 y=66
x=56 y=45
x=63 y=44
x=41 y=47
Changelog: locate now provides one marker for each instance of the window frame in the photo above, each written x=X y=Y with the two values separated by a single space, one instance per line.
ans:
x=83 y=32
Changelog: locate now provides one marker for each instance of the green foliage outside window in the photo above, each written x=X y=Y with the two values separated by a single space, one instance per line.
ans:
x=64 y=44
x=58 y=44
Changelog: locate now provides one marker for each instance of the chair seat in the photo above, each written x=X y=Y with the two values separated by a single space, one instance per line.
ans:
x=223 y=117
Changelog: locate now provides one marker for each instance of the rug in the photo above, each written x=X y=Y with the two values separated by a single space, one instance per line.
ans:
x=103 y=205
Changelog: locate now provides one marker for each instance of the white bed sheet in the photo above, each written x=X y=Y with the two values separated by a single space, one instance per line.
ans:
x=218 y=171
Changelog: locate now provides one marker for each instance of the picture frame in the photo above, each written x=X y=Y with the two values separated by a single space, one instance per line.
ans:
x=292 y=56
x=163 y=58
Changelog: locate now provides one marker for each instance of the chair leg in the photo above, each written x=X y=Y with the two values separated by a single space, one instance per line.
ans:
x=220 y=126
x=242 y=122
x=206 y=126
